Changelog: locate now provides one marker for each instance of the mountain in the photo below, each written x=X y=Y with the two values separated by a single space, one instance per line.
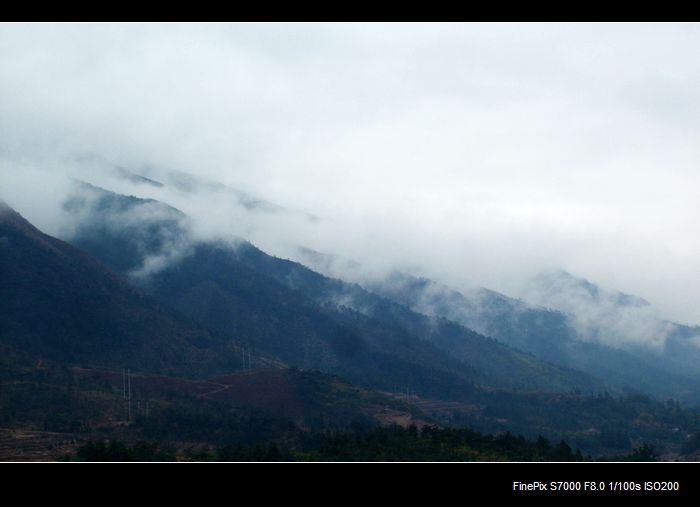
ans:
x=209 y=284
x=69 y=324
x=91 y=163
x=624 y=321
x=497 y=363
x=58 y=303
x=98 y=170
x=557 y=337
x=601 y=316
x=309 y=320
x=127 y=233
x=141 y=236
x=190 y=184
x=559 y=288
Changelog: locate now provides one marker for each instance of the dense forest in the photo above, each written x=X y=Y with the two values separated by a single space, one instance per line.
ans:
x=308 y=415
x=392 y=443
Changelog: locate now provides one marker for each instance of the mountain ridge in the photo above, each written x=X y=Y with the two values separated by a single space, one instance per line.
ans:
x=216 y=260
x=60 y=302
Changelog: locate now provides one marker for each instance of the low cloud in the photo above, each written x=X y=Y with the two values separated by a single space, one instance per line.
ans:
x=476 y=154
x=600 y=315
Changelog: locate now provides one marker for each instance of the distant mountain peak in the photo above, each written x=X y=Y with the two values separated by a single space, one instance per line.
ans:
x=94 y=161
x=136 y=178
x=189 y=183
x=559 y=281
x=107 y=197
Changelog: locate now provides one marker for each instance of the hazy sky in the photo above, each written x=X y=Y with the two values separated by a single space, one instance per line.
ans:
x=477 y=153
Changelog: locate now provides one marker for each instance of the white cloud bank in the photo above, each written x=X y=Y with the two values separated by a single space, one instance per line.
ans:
x=474 y=153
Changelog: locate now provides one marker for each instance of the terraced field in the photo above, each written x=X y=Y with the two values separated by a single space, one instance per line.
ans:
x=22 y=445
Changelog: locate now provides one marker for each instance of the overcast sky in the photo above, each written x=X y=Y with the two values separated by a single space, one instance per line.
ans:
x=472 y=153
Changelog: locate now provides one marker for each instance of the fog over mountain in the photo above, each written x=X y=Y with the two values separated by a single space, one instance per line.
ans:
x=472 y=154
x=600 y=315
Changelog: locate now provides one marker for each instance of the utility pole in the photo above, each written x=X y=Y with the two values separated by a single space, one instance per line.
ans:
x=128 y=374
